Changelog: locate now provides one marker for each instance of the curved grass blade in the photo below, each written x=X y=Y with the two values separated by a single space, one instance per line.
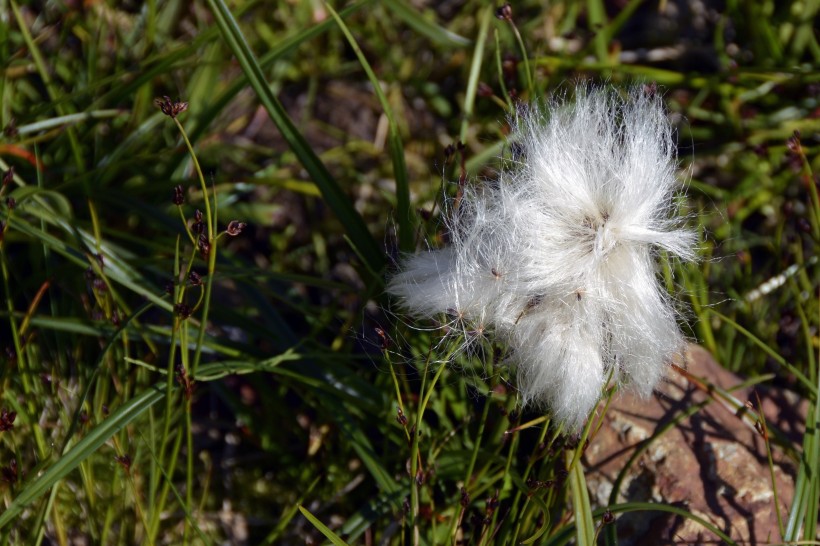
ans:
x=330 y=535
x=336 y=199
x=768 y=350
x=565 y=534
x=545 y=514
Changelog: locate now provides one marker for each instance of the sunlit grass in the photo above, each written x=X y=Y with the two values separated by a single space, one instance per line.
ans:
x=163 y=384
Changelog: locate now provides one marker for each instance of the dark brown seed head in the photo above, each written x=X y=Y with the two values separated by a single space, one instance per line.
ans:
x=194 y=278
x=385 y=341
x=171 y=108
x=9 y=473
x=124 y=461
x=465 y=498
x=235 y=227
x=401 y=418
x=8 y=176
x=179 y=196
x=504 y=12
x=10 y=130
x=182 y=310
x=7 y=419
x=204 y=245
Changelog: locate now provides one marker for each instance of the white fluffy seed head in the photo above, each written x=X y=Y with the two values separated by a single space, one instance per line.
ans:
x=558 y=257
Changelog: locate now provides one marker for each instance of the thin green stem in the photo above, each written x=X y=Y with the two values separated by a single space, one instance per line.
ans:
x=524 y=477
x=524 y=57
x=202 y=183
x=425 y=394
x=210 y=217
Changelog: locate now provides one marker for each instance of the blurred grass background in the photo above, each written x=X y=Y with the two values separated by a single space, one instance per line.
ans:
x=301 y=377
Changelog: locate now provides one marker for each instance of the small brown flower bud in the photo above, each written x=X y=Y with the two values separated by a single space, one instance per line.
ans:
x=179 y=196
x=204 y=245
x=11 y=203
x=182 y=310
x=194 y=278
x=198 y=226
x=465 y=498
x=8 y=176
x=171 y=108
x=9 y=472
x=10 y=130
x=7 y=419
x=124 y=461
x=793 y=143
x=385 y=341
x=235 y=227
x=504 y=12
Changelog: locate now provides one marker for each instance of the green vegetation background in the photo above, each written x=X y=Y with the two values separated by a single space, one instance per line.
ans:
x=143 y=404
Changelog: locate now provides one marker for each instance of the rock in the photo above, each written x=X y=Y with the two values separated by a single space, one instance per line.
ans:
x=712 y=463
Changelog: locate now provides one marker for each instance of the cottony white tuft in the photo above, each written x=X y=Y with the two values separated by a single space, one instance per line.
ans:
x=558 y=257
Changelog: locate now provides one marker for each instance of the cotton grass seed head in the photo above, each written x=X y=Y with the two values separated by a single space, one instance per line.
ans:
x=558 y=257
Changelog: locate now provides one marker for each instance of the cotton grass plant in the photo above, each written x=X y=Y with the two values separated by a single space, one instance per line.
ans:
x=557 y=258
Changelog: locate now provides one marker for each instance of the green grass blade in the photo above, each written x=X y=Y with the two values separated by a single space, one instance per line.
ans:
x=407 y=228
x=596 y=16
x=584 y=526
x=545 y=514
x=475 y=70
x=82 y=451
x=286 y=517
x=336 y=199
x=768 y=350
x=414 y=20
x=287 y=45
x=330 y=535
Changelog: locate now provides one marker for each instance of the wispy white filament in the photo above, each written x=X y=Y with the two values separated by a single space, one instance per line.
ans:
x=558 y=257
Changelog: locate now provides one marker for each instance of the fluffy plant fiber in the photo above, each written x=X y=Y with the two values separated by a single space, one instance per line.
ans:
x=558 y=257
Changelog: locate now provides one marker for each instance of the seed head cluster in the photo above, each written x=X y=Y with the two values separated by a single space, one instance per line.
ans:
x=558 y=257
